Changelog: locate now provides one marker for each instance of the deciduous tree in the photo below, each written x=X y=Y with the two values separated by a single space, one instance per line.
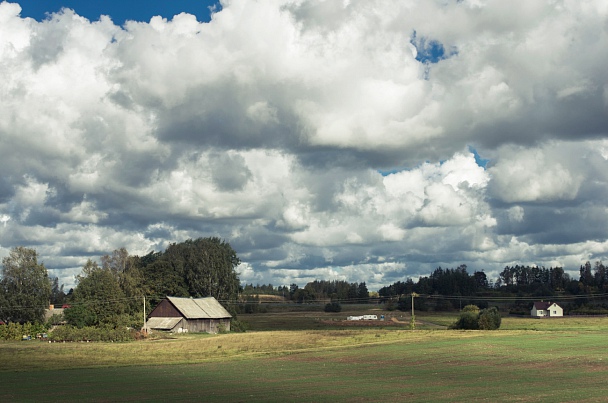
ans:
x=25 y=286
x=97 y=298
x=199 y=268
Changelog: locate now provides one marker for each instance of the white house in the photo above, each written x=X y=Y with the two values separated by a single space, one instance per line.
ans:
x=545 y=309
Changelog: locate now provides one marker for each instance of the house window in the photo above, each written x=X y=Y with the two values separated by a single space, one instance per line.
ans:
x=554 y=312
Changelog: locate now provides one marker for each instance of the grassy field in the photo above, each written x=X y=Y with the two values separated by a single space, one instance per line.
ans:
x=315 y=359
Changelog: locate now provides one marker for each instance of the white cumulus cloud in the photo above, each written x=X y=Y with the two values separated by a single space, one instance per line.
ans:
x=321 y=139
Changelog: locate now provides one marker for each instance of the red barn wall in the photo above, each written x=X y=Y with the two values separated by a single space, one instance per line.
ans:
x=165 y=310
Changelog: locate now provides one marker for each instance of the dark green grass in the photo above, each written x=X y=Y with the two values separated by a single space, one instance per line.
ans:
x=492 y=366
x=529 y=361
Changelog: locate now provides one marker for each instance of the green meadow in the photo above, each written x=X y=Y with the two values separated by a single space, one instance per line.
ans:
x=313 y=356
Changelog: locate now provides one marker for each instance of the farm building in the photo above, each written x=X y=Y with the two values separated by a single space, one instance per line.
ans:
x=48 y=313
x=179 y=315
x=546 y=309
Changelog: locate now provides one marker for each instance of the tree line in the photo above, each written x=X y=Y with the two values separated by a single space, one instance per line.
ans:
x=317 y=290
x=532 y=280
x=111 y=293
x=452 y=288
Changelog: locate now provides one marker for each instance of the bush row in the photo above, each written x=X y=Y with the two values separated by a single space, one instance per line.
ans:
x=89 y=333
x=16 y=331
x=585 y=310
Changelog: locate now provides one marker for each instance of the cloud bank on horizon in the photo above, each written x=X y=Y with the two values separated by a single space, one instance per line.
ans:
x=322 y=139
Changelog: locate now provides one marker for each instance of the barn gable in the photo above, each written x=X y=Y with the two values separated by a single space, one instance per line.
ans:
x=165 y=309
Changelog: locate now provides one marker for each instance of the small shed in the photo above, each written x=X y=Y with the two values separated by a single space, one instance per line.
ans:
x=180 y=315
x=546 y=309
x=48 y=313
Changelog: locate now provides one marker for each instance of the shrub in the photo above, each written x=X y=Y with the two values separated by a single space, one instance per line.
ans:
x=467 y=320
x=238 y=326
x=471 y=308
x=11 y=331
x=471 y=319
x=489 y=319
x=127 y=320
x=333 y=307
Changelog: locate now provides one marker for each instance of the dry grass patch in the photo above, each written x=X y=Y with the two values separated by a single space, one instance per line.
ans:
x=197 y=348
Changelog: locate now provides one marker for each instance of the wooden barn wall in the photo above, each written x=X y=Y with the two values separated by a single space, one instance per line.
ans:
x=181 y=324
x=206 y=325
x=165 y=310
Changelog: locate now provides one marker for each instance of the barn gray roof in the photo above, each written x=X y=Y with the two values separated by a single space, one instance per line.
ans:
x=162 y=323
x=199 y=308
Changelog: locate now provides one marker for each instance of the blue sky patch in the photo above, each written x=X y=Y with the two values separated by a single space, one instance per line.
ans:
x=387 y=172
x=430 y=51
x=120 y=11
x=482 y=162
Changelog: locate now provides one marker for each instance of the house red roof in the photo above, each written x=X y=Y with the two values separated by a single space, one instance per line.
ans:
x=542 y=305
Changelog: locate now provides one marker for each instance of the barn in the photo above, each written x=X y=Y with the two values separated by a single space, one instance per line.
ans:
x=179 y=315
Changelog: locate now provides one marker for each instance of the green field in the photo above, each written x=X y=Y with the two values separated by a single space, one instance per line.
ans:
x=316 y=359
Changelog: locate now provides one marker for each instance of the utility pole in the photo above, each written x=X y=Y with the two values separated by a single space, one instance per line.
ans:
x=144 y=313
x=413 y=321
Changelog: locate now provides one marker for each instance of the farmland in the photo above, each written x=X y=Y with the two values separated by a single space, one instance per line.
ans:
x=311 y=356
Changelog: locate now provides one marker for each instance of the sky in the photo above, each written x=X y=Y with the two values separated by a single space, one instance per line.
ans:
x=335 y=140
x=120 y=11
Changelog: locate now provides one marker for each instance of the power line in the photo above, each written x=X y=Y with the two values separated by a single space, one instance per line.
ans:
x=380 y=299
x=517 y=298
